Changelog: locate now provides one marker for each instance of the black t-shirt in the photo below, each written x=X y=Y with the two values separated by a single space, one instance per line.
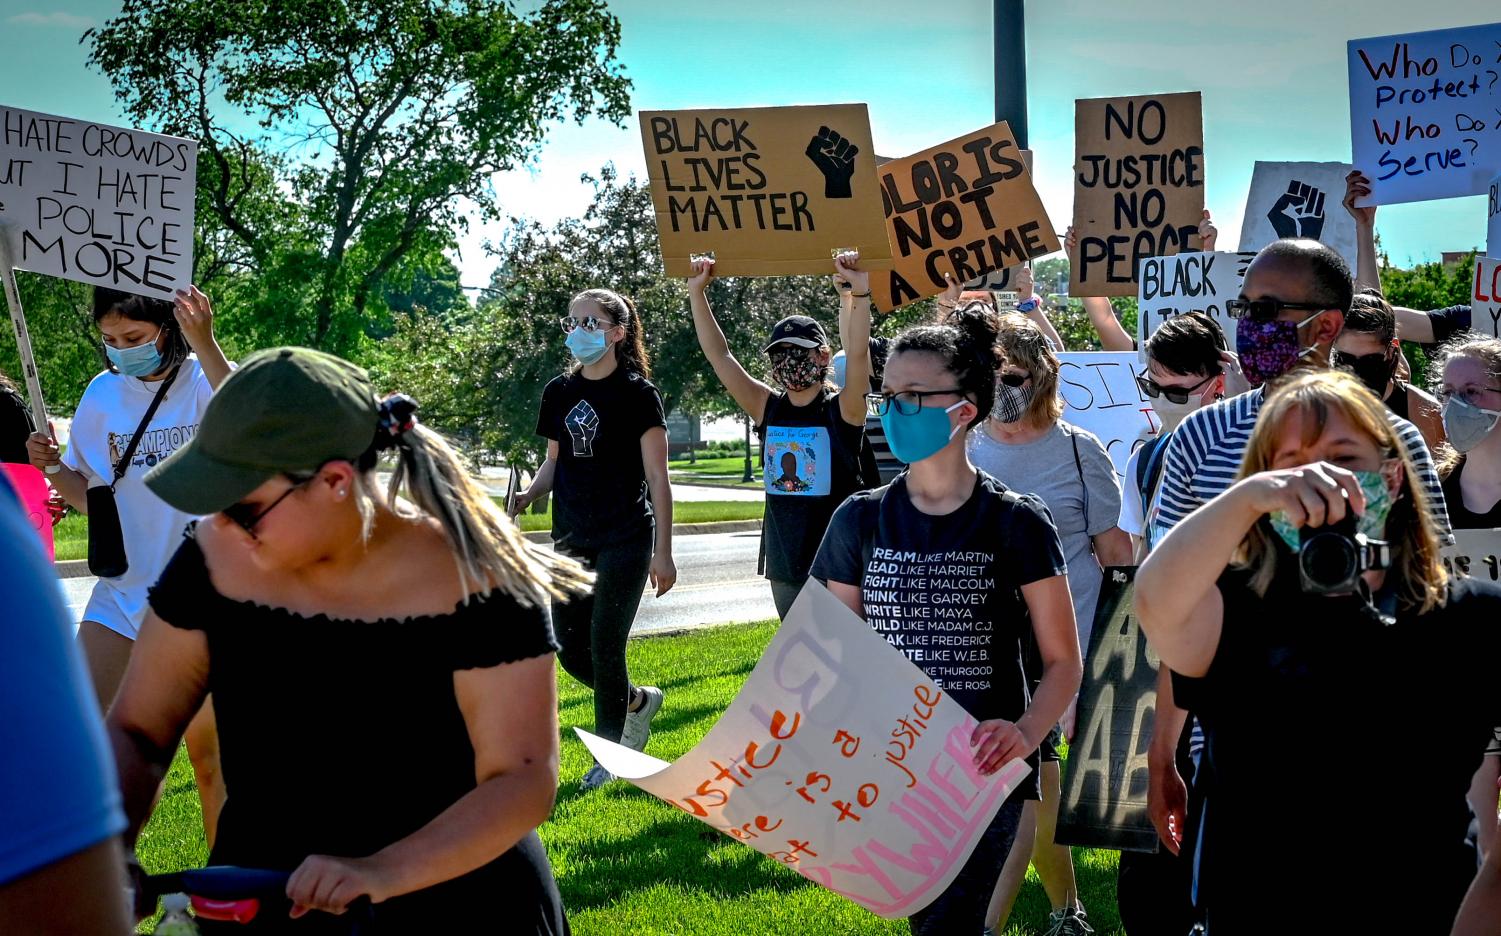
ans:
x=810 y=460
x=599 y=489
x=1367 y=834
x=1462 y=517
x=1447 y=321
x=15 y=426
x=945 y=590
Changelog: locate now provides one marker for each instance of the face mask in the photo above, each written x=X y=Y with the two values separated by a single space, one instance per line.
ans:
x=1267 y=350
x=587 y=346
x=921 y=435
x=1466 y=424
x=1170 y=414
x=1375 y=372
x=143 y=360
x=1010 y=403
x=796 y=371
x=1378 y=504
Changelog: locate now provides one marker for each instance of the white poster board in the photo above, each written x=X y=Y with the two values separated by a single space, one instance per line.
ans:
x=1424 y=113
x=1493 y=219
x=97 y=204
x=840 y=759
x=1475 y=553
x=1485 y=298
x=1188 y=282
x=1298 y=199
x=1100 y=394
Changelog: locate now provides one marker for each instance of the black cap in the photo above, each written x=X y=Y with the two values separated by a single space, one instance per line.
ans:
x=797 y=330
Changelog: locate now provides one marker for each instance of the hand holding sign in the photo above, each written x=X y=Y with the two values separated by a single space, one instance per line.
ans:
x=1209 y=235
x=1357 y=186
x=847 y=270
x=835 y=158
x=195 y=315
x=1299 y=212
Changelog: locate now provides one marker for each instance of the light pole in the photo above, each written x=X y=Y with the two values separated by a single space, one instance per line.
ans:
x=1011 y=67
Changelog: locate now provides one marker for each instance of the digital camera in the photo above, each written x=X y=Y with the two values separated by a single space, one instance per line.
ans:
x=1332 y=557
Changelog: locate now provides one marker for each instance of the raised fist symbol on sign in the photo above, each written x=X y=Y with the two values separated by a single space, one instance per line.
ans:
x=835 y=158
x=1299 y=212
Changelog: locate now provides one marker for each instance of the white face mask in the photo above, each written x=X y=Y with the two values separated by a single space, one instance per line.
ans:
x=1170 y=414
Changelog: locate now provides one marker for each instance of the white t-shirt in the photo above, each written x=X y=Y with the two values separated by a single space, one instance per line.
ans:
x=1130 y=518
x=106 y=419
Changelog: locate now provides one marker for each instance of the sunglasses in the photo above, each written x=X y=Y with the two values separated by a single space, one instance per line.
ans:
x=1179 y=395
x=247 y=518
x=1341 y=359
x=588 y=324
x=1266 y=309
x=1014 y=380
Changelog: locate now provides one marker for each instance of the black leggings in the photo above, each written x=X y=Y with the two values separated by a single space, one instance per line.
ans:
x=592 y=629
x=961 y=908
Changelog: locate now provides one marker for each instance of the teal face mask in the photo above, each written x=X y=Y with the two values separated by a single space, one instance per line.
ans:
x=1378 y=504
x=920 y=435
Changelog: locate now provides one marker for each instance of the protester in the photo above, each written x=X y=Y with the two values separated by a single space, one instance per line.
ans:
x=807 y=411
x=1368 y=347
x=939 y=384
x=1432 y=327
x=877 y=465
x=612 y=506
x=61 y=869
x=409 y=638
x=1028 y=446
x=164 y=355
x=1468 y=381
x=1028 y=303
x=15 y=424
x=1228 y=601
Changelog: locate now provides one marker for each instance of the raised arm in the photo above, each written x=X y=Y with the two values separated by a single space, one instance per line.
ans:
x=748 y=392
x=1101 y=313
x=1367 y=269
x=854 y=333
x=195 y=316
x=1026 y=291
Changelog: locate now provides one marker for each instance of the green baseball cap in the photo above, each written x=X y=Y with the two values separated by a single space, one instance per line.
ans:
x=282 y=410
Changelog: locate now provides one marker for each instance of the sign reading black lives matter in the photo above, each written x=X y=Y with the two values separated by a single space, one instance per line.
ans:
x=1104 y=802
x=769 y=191
x=1138 y=186
x=97 y=204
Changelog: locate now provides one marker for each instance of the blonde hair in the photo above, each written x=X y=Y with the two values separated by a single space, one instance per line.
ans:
x=1421 y=580
x=1487 y=351
x=1023 y=344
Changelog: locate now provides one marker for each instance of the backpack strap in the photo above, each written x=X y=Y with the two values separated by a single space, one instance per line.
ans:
x=1149 y=465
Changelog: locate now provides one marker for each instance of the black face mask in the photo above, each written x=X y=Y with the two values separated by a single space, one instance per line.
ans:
x=1373 y=370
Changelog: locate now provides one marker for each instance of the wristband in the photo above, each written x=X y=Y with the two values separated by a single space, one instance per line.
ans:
x=1028 y=305
x=845 y=285
x=864 y=295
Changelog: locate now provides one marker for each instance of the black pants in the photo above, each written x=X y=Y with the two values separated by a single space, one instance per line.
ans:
x=592 y=629
x=961 y=908
x=784 y=594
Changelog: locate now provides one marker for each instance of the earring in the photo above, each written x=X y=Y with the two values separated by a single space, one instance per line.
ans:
x=342 y=492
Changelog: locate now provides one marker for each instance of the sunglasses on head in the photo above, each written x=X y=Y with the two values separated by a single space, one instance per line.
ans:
x=1179 y=395
x=1266 y=309
x=1014 y=380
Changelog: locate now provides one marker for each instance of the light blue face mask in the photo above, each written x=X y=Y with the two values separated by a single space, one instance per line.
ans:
x=920 y=435
x=143 y=360
x=1378 y=504
x=587 y=346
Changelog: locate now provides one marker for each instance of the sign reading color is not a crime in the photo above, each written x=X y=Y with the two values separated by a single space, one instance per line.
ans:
x=769 y=191
x=967 y=208
x=1138 y=186
x=97 y=204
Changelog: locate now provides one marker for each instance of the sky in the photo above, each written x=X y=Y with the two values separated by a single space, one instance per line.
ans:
x=1272 y=73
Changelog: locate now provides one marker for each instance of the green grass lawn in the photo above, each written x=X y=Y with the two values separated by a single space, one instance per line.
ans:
x=629 y=864
x=727 y=470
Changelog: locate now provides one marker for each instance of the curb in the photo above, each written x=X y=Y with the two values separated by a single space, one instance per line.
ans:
x=79 y=568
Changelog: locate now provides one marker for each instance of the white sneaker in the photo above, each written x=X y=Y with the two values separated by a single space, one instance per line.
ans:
x=595 y=778
x=638 y=723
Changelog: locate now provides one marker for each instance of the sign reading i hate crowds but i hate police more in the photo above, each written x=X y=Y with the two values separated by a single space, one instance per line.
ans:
x=767 y=191
x=104 y=205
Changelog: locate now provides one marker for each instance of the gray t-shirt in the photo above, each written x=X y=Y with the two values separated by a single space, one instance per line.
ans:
x=1046 y=467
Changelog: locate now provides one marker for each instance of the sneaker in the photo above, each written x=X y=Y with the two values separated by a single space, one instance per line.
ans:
x=988 y=931
x=595 y=778
x=638 y=723
x=1068 y=921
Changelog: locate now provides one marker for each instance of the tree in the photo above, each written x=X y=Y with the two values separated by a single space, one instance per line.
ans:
x=398 y=112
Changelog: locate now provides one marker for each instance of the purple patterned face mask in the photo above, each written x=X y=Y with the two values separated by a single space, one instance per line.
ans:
x=1269 y=349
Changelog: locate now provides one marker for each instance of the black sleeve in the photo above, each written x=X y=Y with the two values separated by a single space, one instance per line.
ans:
x=1197 y=693
x=183 y=595
x=15 y=426
x=1036 y=552
x=650 y=408
x=1448 y=320
x=547 y=421
x=840 y=554
x=493 y=629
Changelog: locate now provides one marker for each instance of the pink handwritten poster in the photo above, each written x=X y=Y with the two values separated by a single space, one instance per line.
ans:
x=32 y=488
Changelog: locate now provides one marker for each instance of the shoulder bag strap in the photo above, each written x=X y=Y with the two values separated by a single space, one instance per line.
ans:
x=124 y=463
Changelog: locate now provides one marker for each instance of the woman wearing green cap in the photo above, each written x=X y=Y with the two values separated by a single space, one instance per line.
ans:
x=382 y=670
x=805 y=415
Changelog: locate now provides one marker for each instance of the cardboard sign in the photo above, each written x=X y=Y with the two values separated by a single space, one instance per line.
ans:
x=1485 y=299
x=1100 y=394
x=1425 y=113
x=840 y=759
x=1191 y=282
x=1475 y=552
x=1298 y=199
x=1138 y=186
x=1493 y=219
x=1104 y=801
x=769 y=191
x=98 y=204
x=967 y=208
x=32 y=489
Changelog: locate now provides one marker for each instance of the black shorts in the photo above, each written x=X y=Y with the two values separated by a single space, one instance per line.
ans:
x=1048 y=749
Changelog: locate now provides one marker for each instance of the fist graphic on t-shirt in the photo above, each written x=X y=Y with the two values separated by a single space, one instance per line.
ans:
x=583 y=425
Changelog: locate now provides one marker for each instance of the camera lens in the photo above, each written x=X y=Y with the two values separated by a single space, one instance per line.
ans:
x=1329 y=560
